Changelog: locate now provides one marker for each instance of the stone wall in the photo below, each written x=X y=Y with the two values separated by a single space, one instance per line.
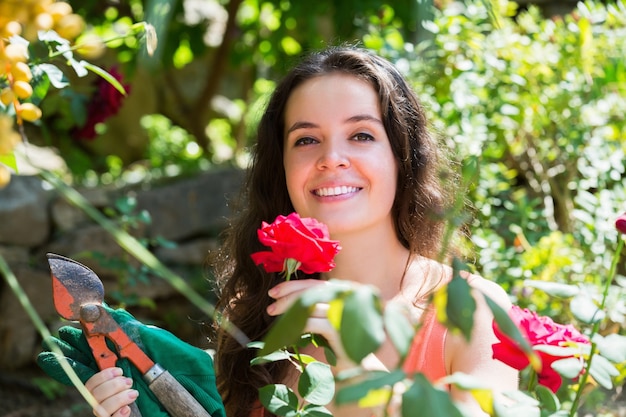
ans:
x=35 y=219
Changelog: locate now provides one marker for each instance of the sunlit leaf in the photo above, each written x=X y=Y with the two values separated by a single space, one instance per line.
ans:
x=54 y=74
x=612 y=347
x=548 y=400
x=287 y=328
x=568 y=367
x=362 y=330
x=375 y=397
x=9 y=160
x=552 y=350
x=506 y=326
x=585 y=310
x=460 y=306
x=603 y=371
x=313 y=410
x=279 y=399
x=517 y=404
x=278 y=355
x=105 y=75
x=399 y=329
x=422 y=397
x=555 y=289
x=375 y=380
x=317 y=383
x=481 y=393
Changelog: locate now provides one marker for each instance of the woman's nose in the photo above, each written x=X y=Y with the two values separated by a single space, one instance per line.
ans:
x=333 y=156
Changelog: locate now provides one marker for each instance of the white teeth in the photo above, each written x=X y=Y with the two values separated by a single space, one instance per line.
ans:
x=334 y=191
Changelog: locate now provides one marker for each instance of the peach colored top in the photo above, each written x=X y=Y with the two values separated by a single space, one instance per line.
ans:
x=427 y=351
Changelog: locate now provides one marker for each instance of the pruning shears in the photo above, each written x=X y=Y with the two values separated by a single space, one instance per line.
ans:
x=78 y=294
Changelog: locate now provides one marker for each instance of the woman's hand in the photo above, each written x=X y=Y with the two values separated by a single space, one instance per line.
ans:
x=113 y=392
x=286 y=293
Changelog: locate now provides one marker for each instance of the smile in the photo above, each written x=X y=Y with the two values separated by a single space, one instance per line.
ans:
x=335 y=191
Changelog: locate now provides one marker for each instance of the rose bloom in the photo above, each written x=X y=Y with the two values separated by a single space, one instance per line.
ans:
x=105 y=103
x=305 y=240
x=538 y=330
x=620 y=223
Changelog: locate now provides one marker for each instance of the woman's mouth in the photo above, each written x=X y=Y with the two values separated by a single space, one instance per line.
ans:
x=335 y=191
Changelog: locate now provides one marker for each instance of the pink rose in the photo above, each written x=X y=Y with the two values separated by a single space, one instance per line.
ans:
x=305 y=240
x=539 y=330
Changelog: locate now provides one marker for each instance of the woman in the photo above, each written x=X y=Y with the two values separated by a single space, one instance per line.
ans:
x=344 y=140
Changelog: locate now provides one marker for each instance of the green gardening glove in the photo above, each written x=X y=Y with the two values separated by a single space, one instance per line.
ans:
x=191 y=366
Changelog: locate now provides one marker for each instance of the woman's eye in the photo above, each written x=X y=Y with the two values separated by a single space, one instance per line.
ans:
x=363 y=137
x=305 y=141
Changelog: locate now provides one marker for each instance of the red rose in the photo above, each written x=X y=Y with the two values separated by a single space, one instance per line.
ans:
x=539 y=330
x=620 y=223
x=304 y=240
x=103 y=104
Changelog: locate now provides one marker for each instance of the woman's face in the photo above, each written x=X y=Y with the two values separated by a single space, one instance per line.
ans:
x=338 y=161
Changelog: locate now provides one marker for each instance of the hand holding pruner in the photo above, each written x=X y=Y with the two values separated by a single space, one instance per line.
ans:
x=78 y=296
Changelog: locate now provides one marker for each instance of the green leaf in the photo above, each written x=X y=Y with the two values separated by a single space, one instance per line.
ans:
x=362 y=330
x=547 y=399
x=320 y=341
x=374 y=380
x=612 y=347
x=602 y=371
x=399 y=329
x=317 y=383
x=554 y=289
x=517 y=404
x=287 y=329
x=569 y=367
x=279 y=399
x=9 y=160
x=279 y=355
x=506 y=326
x=580 y=349
x=461 y=305
x=464 y=381
x=312 y=410
x=54 y=74
x=585 y=310
x=52 y=36
x=428 y=400
x=105 y=75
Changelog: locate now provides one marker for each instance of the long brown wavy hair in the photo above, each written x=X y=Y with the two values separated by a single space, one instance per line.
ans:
x=418 y=210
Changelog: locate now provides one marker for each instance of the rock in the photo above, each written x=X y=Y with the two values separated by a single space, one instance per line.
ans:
x=66 y=216
x=24 y=212
x=19 y=339
x=187 y=253
x=192 y=207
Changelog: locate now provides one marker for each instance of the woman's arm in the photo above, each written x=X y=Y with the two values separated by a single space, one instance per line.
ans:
x=475 y=357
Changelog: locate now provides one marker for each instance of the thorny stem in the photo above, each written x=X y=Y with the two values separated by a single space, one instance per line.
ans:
x=596 y=326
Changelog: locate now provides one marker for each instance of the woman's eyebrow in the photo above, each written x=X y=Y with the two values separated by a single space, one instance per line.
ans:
x=363 y=117
x=301 y=125
x=352 y=119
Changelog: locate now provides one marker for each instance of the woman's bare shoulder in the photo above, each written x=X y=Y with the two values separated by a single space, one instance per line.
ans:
x=490 y=289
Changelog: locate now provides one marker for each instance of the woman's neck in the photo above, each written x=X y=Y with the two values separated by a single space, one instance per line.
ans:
x=377 y=259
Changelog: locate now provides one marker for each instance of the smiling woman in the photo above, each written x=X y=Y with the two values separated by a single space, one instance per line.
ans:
x=345 y=140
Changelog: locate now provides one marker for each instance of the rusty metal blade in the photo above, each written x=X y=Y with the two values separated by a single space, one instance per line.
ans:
x=73 y=285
